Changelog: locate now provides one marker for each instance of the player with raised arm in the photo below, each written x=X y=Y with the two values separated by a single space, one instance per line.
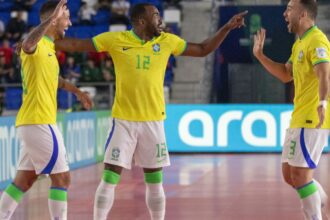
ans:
x=42 y=147
x=309 y=68
x=140 y=57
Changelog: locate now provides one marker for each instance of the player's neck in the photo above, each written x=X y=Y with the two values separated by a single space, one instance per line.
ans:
x=142 y=34
x=305 y=26
x=50 y=34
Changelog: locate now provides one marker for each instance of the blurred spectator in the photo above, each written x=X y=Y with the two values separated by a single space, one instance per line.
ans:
x=71 y=70
x=98 y=58
x=2 y=30
x=173 y=3
x=7 y=51
x=91 y=73
x=61 y=57
x=120 y=10
x=23 y=5
x=85 y=14
x=104 y=5
x=14 y=75
x=16 y=27
x=108 y=70
x=5 y=70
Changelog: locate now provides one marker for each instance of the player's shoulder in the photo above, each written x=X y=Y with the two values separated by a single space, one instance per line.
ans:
x=318 y=36
x=113 y=34
x=168 y=36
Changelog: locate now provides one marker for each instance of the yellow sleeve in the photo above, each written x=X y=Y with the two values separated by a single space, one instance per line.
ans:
x=319 y=51
x=178 y=45
x=34 y=54
x=103 y=42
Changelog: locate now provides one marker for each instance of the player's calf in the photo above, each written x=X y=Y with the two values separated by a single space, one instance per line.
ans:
x=155 y=196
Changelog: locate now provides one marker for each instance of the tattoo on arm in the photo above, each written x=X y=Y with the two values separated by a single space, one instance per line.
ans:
x=35 y=35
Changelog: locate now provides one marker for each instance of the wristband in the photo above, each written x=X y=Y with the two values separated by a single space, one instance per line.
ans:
x=323 y=103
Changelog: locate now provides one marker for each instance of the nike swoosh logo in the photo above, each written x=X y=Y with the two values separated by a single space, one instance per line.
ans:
x=126 y=48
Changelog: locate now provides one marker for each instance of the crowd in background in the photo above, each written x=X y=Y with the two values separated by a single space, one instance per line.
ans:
x=77 y=67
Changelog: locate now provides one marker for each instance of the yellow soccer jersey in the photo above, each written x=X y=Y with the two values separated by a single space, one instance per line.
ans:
x=311 y=49
x=39 y=72
x=140 y=68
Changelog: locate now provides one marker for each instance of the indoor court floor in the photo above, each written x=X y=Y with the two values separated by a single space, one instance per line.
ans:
x=197 y=186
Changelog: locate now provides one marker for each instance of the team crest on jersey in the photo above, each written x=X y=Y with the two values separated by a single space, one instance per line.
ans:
x=115 y=153
x=156 y=48
x=321 y=52
x=300 y=57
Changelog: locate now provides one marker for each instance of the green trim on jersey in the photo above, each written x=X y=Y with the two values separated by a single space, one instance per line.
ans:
x=155 y=177
x=14 y=192
x=320 y=61
x=95 y=45
x=137 y=37
x=308 y=31
x=48 y=38
x=184 y=48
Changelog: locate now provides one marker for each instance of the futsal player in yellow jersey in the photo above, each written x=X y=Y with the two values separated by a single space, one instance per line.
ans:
x=140 y=57
x=309 y=68
x=42 y=147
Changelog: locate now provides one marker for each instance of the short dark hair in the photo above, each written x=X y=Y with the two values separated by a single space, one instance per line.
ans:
x=138 y=11
x=48 y=7
x=311 y=7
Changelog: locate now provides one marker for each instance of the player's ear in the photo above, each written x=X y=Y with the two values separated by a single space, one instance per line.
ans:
x=304 y=14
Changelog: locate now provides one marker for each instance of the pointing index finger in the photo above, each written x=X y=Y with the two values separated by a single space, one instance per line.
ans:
x=242 y=14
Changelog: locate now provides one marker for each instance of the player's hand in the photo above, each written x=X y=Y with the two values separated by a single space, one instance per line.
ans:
x=321 y=113
x=259 y=41
x=237 y=20
x=85 y=100
x=59 y=10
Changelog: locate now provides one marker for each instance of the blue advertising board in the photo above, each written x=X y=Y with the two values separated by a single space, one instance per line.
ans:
x=80 y=132
x=227 y=128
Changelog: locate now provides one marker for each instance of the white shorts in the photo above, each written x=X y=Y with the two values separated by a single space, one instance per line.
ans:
x=141 y=142
x=303 y=146
x=42 y=149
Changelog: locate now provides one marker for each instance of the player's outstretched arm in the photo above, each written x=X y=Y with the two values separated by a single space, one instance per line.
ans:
x=322 y=71
x=82 y=97
x=75 y=45
x=211 y=44
x=281 y=71
x=29 y=44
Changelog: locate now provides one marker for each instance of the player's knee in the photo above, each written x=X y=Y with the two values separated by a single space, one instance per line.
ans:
x=287 y=178
x=299 y=177
x=25 y=184
x=153 y=177
x=61 y=180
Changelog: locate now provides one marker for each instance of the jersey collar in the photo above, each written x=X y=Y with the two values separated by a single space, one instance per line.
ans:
x=308 y=31
x=138 y=38
x=48 y=38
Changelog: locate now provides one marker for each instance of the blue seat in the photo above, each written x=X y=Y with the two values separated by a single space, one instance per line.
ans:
x=74 y=6
x=6 y=6
x=98 y=29
x=102 y=17
x=33 y=19
x=13 y=98
x=5 y=17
